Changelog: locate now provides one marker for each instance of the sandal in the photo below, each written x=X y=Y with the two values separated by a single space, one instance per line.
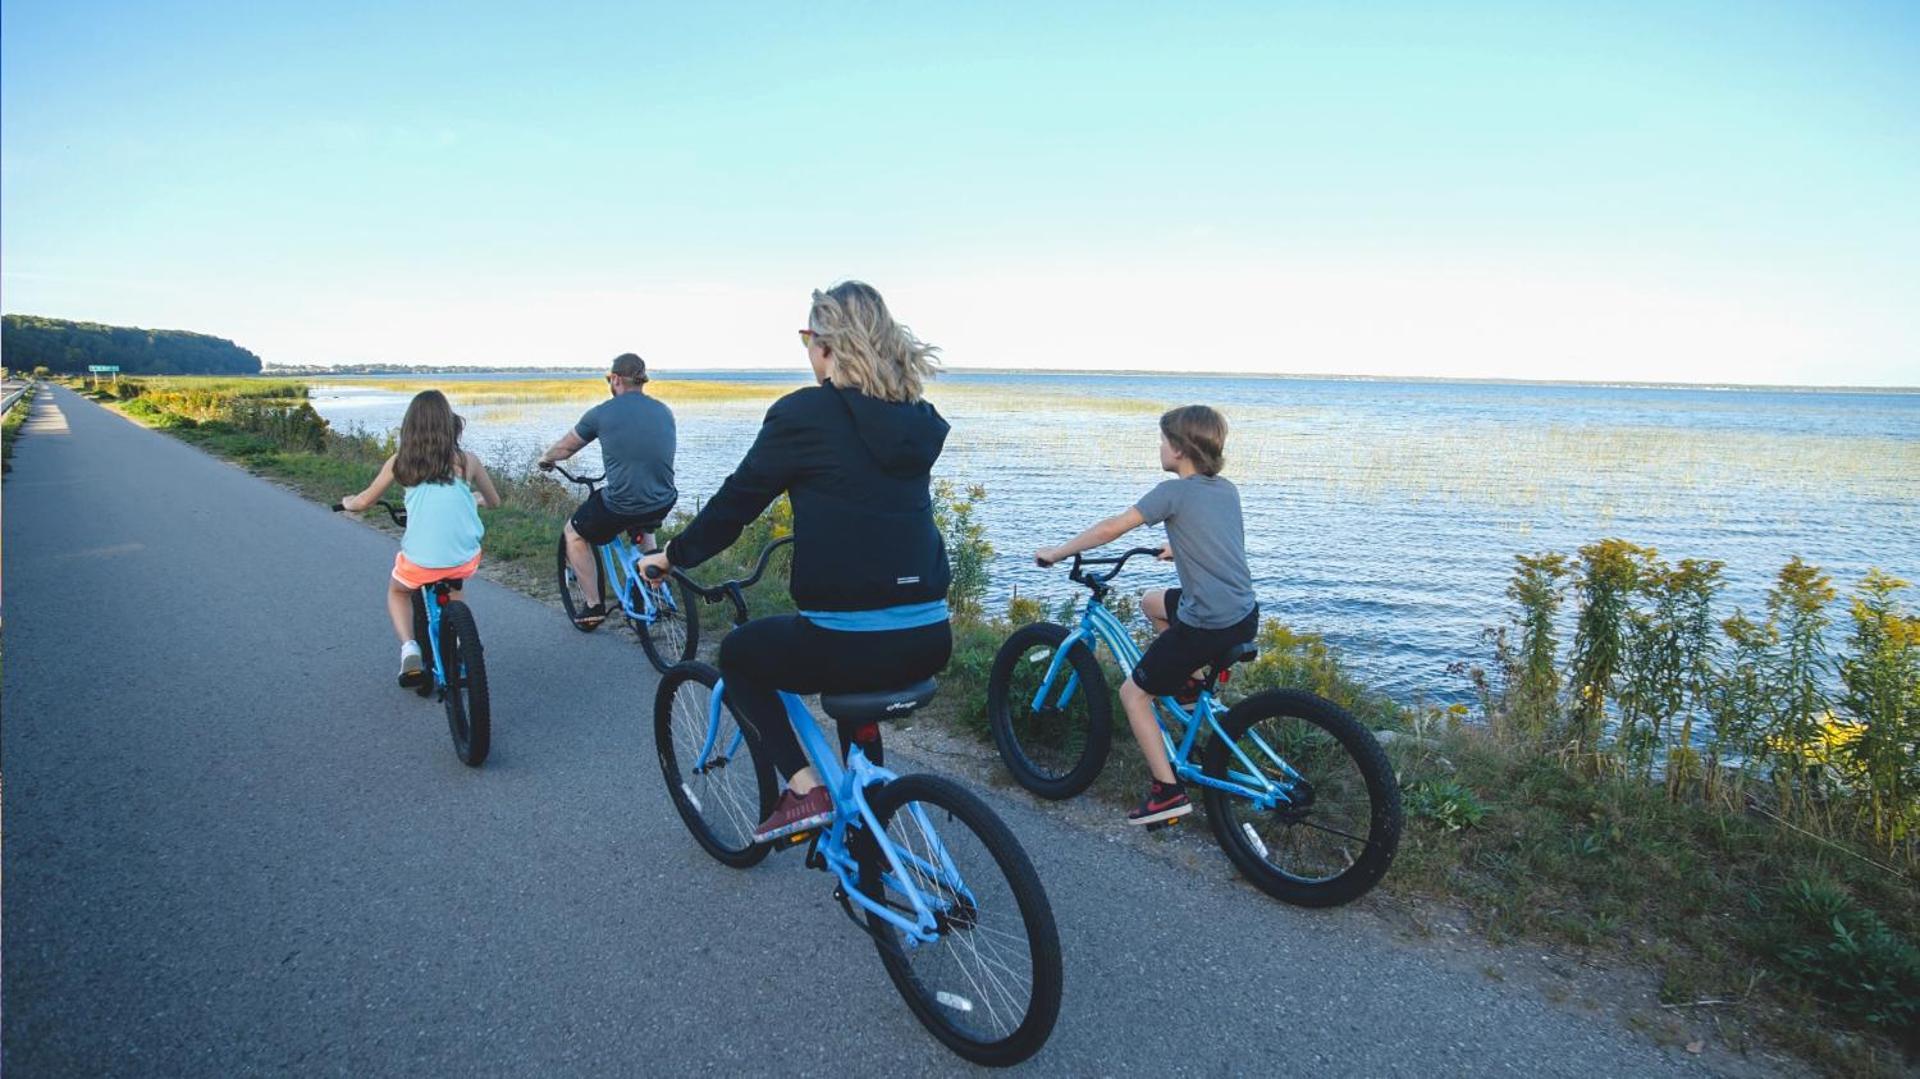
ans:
x=591 y=617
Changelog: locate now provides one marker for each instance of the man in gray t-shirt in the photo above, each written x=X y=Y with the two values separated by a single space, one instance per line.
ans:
x=637 y=436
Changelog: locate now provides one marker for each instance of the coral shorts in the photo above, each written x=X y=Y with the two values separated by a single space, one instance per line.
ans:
x=412 y=576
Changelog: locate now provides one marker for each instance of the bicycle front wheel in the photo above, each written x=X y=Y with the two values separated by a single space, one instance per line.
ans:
x=1336 y=838
x=674 y=634
x=1057 y=749
x=574 y=596
x=469 y=715
x=989 y=987
x=725 y=793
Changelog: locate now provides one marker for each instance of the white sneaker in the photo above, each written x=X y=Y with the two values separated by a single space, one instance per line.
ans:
x=412 y=670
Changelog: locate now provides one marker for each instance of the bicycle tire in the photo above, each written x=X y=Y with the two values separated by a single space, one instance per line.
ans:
x=469 y=717
x=941 y=1002
x=571 y=596
x=1254 y=840
x=1058 y=753
x=422 y=634
x=679 y=728
x=674 y=634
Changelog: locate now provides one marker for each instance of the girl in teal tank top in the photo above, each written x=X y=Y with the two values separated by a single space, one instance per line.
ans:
x=443 y=523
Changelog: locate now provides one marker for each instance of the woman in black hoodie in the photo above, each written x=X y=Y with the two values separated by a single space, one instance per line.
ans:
x=870 y=575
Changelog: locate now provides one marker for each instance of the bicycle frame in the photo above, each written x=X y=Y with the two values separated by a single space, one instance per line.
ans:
x=622 y=556
x=848 y=785
x=432 y=596
x=1099 y=626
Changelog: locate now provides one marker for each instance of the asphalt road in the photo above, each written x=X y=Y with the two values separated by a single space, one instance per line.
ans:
x=232 y=846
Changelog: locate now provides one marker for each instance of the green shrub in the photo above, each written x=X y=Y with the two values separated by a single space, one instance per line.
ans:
x=1848 y=956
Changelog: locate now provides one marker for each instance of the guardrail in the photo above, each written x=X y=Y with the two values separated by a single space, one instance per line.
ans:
x=14 y=396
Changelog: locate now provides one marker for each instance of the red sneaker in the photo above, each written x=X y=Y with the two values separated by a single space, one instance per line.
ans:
x=795 y=813
x=1163 y=802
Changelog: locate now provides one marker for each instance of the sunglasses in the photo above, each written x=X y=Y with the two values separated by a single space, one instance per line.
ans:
x=806 y=338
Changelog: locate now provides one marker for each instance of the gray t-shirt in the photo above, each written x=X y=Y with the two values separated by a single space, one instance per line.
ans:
x=1209 y=548
x=636 y=436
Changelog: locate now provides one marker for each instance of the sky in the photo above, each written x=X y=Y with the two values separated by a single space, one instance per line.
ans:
x=1699 y=192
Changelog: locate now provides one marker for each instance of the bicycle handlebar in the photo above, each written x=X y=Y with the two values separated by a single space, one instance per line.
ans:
x=1077 y=575
x=730 y=590
x=398 y=513
x=584 y=481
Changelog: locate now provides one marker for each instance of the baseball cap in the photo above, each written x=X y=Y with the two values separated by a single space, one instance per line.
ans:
x=630 y=367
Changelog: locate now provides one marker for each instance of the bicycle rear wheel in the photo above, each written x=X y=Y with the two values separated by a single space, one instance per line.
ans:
x=573 y=596
x=723 y=796
x=989 y=987
x=1057 y=750
x=674 y=634
x=469 y=716
x=1338 y=837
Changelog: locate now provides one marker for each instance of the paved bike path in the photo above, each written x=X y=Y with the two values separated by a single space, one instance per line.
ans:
x=233 y=846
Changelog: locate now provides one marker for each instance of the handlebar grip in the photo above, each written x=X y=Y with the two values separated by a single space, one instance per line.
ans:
x=339 y=506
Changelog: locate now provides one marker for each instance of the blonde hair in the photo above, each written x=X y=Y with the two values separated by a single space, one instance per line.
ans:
x=871 y=352
x=1200 y=434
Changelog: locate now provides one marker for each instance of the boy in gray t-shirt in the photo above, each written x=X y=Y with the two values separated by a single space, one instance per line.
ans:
x=1211 y=611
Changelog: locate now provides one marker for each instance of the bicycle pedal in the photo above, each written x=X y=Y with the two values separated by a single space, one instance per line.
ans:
x=1159 y=824
x=788 y=842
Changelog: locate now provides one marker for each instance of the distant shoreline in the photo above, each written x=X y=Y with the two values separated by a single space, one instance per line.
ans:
x=357 y=371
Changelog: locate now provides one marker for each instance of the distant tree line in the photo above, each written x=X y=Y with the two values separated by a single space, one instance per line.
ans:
x=63 y=347
x=414 y=369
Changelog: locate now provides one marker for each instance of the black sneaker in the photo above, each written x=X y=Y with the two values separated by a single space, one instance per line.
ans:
x=1164 y=802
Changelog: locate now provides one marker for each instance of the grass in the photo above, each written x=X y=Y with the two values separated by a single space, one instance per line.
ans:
x=1712 y=900
x=17 y=418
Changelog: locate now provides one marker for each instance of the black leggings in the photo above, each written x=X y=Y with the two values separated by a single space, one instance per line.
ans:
x=788 y=652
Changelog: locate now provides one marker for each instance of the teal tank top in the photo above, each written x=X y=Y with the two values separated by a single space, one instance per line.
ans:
x=443 y=525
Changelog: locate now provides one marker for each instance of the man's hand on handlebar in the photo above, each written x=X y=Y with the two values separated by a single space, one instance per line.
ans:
x=1047 y=556
x=353 y=504
x=1166 y=553
x=544 y=465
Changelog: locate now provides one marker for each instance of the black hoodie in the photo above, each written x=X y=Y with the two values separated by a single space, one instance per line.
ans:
x=857 y=471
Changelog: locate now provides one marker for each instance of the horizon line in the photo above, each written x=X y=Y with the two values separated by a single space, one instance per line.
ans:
x=1298 y=376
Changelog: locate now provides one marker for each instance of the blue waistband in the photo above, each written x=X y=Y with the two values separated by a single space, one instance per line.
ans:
x=905 y=616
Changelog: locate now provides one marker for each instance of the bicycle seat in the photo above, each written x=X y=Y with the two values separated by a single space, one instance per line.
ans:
x=878 y=704
x=1239 y=653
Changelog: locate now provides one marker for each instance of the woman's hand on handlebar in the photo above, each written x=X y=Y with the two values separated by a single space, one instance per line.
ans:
x=1047 y=556
x=1166 y=553
x=355 y=504
x=544 y=465
x=655 y=566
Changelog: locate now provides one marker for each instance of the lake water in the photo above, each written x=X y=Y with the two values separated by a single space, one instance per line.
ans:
x=1382 y=514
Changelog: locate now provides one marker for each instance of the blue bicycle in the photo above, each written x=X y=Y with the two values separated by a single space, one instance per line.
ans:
x=668 y=625
x=1299 y=794
x=446 y=631
x=954 y=907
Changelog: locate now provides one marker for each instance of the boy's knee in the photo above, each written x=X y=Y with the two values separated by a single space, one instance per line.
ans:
x=1130 y=690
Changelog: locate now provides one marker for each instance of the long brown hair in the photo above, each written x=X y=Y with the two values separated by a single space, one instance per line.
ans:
x=429 y=441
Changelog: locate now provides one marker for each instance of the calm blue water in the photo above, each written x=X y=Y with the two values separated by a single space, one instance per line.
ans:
x=1384 y=515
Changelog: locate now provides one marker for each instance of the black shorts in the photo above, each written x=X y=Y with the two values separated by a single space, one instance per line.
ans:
x=1182 y=649
x=597 y=524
